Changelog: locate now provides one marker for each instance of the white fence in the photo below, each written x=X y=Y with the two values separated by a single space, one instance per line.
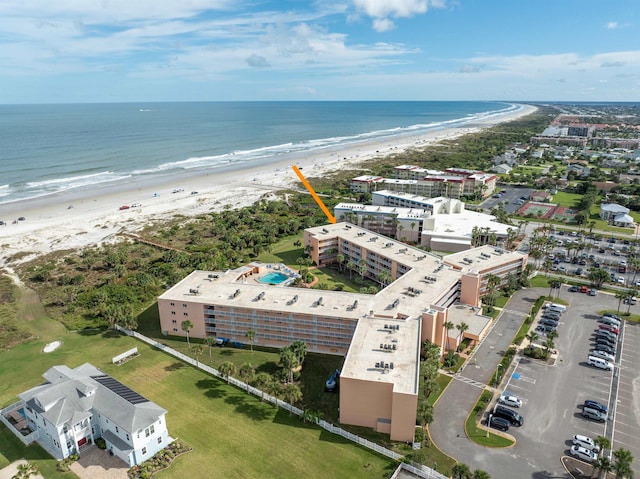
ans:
x=26 y=440
x=423 y=472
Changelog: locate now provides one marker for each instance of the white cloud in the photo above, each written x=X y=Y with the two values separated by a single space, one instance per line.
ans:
x=612 y=25
x=382 y=24
x=382 y=10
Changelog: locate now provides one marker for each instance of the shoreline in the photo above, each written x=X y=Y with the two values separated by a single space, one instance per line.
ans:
x=79 y=218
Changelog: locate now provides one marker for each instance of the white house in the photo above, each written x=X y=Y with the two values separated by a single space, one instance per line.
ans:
x=76 y=406
x=501 y=169
x=609 y=211
x=625 y=221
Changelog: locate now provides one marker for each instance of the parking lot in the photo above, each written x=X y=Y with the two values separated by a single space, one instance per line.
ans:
x=553 y=395
x=508 y=199
x=626 y=430
x=601 y=253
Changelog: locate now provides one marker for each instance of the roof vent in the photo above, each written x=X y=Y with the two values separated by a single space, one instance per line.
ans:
x=236 y=293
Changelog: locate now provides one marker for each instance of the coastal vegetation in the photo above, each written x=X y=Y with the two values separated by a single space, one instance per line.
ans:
x=117 y=283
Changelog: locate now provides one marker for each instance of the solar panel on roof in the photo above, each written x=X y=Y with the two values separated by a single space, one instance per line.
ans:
x=120 y=389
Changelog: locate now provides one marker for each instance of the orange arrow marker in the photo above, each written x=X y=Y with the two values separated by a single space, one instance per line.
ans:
x=313 y=194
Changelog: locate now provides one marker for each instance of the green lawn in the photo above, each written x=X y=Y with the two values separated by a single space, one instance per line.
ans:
x=568 y=200
x=232 y=433
x=482 y=436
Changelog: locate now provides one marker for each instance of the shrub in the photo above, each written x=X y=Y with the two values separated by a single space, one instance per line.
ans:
x=101 y=443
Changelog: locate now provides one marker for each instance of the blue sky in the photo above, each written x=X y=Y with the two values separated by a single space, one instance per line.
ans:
x=194 y=50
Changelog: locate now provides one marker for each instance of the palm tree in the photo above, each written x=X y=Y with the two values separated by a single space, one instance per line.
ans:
x=602 y=443
x=289 y=361
x=480 y=474
x=251 y=336
x=622 y=464
x=293 y=394
x=261 y=381
x=25 y=471
x=274 y=388
x=448 y=325
x=340 y=258
x=460 y=471
x=621 y=296
x=197 y=350
x=601 y=466
x=246 y=372
x=532 y=337
x=210 y=341
x=227 y=369
x=299 y=348
x=186 y=327
x=598 y=276
x=350 y=266
x=462 y=327
x=632 y=293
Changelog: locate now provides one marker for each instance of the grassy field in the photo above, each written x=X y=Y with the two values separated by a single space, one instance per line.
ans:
x=233 y=434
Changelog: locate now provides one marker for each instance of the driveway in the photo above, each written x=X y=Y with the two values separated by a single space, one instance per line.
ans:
x=548 y=426
x=96 y=463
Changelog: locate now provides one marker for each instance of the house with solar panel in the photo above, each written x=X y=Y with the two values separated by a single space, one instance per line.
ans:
x=74 y=407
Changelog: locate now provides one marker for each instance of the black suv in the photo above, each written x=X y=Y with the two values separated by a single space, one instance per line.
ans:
x=498 y=423
x=510 y=415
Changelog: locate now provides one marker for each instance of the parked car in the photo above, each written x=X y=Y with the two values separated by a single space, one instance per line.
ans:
x=593 y=414
x=549 y=322
x=599 y=363
x=510 y=400
x=124 y=207
x=584 y=289
x=605 y=334
x=574 y=289
x=510 y=415
x=603 y=354
x=593 y=292
x=610 y=328
x=586 y=442
x=583 y=453
x=606 y=342
x=596 y=405
x=498 y=423
x=611 y=315
x=545 y=328
x=604 y=347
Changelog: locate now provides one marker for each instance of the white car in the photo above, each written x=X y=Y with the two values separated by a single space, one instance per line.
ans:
x=586 y=442
x=603 y=355
x=620 y=280
x=510 y=400
x=583 y=453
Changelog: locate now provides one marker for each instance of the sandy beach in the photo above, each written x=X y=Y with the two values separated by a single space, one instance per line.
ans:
x=79 y=218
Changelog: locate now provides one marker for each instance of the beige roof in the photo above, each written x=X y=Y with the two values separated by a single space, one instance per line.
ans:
x=482 y=258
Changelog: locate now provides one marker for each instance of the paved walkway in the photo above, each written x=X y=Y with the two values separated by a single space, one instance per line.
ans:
x=9 y=471
x=96 y=463
x=453 y=407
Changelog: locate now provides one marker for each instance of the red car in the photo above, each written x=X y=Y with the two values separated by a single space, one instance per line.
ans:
x=607 y=327
x=584 y=289
x=124 y=207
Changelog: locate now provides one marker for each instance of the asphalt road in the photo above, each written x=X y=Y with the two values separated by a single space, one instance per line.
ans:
x=552 y=395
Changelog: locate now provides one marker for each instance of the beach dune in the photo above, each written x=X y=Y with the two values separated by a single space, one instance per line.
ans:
x=80 y=218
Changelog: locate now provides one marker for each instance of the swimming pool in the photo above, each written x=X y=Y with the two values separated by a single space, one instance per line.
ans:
x=273 y=277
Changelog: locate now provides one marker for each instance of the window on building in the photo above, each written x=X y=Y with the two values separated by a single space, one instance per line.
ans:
x=117 y=430
x=175 y=330
x=172 y=304
x=173 y=312
x=174 y=321
x=159 y=439
x=127 y=437
x=144 y=451
x=68 y=444
x=184 y=305
x=152 y=429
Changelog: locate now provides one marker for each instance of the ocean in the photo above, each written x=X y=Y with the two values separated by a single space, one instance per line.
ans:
x=48 y=149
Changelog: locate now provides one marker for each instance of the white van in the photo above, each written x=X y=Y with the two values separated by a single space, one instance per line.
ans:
x=599 y=363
